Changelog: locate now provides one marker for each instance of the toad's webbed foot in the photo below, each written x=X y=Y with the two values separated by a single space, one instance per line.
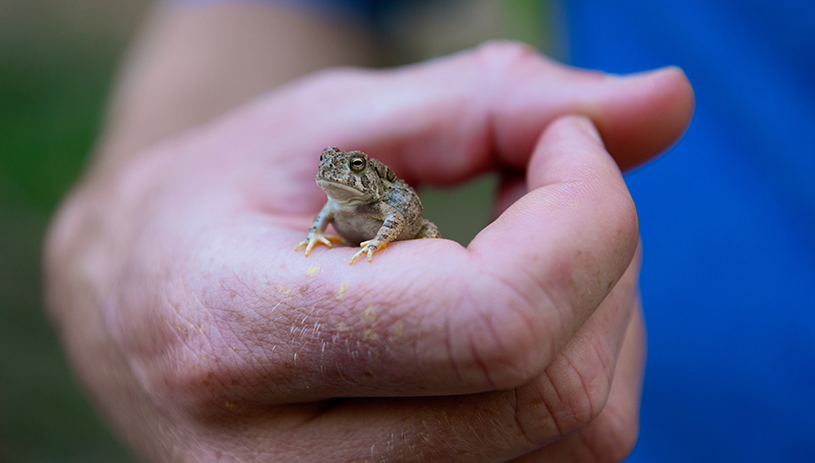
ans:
x=428 y=230
x=368 y=247
x=315 y=238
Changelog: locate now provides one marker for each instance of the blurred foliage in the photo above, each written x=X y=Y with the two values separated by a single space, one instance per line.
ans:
x=50 y=112
x=57 y=60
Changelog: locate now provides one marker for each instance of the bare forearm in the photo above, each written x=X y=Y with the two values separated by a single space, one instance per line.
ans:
x=192 y=63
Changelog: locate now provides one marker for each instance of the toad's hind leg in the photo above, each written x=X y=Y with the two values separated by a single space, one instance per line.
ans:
x=428 y=230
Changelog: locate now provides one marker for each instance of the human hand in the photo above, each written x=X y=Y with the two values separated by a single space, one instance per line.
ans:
x=203 y=336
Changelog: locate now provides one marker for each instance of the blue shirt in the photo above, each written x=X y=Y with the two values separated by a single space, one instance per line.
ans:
x=728 y=224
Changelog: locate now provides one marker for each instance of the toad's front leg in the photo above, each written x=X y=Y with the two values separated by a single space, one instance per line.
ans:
x=315 y=233
x=391 y=228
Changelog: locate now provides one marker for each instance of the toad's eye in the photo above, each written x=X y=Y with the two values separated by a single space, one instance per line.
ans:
x=357 y=164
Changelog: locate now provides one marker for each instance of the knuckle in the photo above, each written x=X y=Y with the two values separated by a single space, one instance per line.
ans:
x=497 y=348
x=580 y=400
x=612 y=436
x=496 y=62
x=567 y=397
x=192 y=375
x=199 y=356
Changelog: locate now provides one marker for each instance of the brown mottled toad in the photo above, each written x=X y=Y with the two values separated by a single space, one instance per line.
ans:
x=367 y=204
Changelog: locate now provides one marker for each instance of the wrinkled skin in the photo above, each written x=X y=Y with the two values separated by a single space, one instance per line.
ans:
x=201 y=336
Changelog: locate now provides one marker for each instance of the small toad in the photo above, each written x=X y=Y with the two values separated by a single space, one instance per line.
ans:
x=367 y=204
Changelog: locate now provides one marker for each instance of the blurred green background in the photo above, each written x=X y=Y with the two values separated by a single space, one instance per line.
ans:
x=57 y=63
x=57 y=60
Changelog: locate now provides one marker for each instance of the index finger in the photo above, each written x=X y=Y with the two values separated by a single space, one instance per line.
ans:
x=451 y=118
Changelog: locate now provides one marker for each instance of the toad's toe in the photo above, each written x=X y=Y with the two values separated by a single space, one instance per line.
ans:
x=368 y=247
x=315 y=239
